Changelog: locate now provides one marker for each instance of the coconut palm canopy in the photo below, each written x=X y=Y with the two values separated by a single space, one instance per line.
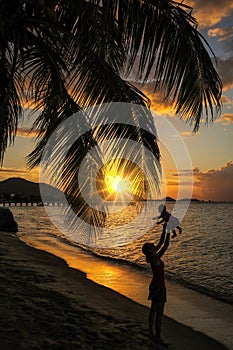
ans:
x=63 y=55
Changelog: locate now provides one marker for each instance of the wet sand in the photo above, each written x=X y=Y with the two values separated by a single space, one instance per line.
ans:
x=191 y=308
x=45 y=304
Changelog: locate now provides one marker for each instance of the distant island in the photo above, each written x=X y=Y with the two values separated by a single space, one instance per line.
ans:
x=17 y=189
x=170 y=199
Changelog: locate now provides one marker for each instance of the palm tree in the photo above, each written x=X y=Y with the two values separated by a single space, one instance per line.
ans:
x=63 y=55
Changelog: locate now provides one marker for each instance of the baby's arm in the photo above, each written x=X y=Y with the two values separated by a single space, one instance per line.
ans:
x=162 y=219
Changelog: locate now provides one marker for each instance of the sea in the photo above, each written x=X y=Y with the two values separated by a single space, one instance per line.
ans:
x=201 y=258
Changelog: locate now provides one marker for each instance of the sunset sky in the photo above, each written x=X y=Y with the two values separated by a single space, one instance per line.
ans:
x=211 y=148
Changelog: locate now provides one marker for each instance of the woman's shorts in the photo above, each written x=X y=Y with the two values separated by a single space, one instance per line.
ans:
x=158 y=294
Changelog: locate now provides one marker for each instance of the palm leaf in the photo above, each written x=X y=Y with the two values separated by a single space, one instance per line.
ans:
x=83 y=58
x=172 y=53
x=10 y=97
x=68 y=158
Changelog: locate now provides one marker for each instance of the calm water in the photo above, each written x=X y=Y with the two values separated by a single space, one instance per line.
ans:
x=200 y=258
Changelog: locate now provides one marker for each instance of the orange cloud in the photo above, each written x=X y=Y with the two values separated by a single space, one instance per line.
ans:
x=188 y=133
x=222 y=33
x=156 y=99
x=26 y=132
x=227 y=117
x=210 y=12
x=157 y=103
x=226 y=100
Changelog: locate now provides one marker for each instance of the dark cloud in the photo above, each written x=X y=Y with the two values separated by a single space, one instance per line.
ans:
x=215 y=184
x=225 y=70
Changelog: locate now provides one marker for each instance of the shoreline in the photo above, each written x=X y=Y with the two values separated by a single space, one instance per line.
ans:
x=48 y=305
x=187 y=306
x=169 y=277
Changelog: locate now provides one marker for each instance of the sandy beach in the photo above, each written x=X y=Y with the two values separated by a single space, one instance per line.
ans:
x=45 y=304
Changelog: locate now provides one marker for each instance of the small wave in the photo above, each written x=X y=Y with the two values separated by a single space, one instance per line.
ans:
x=200 y=259
x=201 y=289
x=169 y=275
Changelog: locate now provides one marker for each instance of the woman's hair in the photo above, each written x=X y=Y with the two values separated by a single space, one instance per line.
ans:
x=147 y=247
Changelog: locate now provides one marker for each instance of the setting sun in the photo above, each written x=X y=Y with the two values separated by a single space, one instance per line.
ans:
x=121 y=180
x=117 y=184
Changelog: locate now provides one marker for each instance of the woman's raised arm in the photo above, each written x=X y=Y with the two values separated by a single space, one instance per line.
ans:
x=166 y=243
x=162 y=238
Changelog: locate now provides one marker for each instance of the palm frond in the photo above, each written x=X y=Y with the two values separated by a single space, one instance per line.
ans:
x=73 y=163
x=55 y=111
x=74 y=54
x=10 y=96
x=172 y=54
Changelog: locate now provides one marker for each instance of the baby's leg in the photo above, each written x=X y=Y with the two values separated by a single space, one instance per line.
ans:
x=174 y=233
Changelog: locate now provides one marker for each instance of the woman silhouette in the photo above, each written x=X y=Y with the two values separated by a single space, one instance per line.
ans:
x=157 y=288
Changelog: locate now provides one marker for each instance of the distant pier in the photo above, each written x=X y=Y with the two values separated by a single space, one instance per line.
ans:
x=32 y=204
